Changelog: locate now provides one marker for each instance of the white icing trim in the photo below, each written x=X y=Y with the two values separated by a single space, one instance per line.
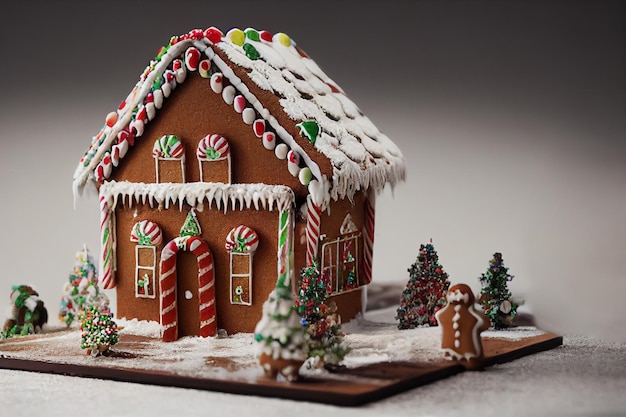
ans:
x=239 y=196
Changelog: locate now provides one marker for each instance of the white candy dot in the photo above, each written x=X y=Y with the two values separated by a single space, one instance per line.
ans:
x=248 y=115
x=281 y=151
x=228 y=94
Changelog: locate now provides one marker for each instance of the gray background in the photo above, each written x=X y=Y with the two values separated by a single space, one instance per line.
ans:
x=511 y=116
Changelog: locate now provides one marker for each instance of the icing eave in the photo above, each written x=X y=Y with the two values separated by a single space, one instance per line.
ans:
x=224 y=196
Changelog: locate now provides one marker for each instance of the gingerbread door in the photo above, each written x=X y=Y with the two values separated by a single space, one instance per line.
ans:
x=186 y=308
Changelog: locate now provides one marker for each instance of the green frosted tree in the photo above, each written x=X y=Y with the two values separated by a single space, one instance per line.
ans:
x=495 y=296
x=425 y=292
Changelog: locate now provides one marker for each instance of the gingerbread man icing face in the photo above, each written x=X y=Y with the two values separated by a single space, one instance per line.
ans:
x=461 y=325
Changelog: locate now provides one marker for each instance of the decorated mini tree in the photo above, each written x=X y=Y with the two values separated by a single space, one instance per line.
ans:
x=28 y=313
x=495 y=296
x=82 y=290
x=282 y=346
x=425 y=292
x=99 y=331
x=323 y=324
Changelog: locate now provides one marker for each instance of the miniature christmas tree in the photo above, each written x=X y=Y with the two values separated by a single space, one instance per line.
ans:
x=495 y=296
x=282 y=346
x=99 y=331
x=82 y=290
x=425 y=292
x=323 y=324
x=28 y=313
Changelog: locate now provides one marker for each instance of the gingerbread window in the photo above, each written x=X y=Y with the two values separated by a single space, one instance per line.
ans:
x=213 y=154
x=147 y=235
x=169 y=159
x=340 y=258
x=241 y=243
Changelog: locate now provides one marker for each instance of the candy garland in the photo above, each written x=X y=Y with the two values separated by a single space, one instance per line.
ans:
x=368 y=237
x=206 y=286
x=313 y=213
x=107 y=244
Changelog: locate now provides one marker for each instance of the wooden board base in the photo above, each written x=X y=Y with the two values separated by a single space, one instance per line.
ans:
x=343 y=386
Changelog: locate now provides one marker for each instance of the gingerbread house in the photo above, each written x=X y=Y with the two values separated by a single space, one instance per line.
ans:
x=234 y=162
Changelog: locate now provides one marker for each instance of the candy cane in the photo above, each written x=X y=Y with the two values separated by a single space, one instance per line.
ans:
x=206 y=286
x=284 y=249
x=106 y=241
x=313 y=212
x=368 y=238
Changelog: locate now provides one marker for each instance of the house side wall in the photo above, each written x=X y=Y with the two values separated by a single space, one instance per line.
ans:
x=215 y=225
x=349 y=302
x=191 y=112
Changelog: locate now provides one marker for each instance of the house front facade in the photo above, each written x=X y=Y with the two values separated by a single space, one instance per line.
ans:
x=233 y=162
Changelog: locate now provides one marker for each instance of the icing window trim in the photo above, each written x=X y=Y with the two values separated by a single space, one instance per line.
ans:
x=168 y=148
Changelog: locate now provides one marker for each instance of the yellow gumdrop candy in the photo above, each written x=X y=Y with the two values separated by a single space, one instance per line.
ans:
x=236 y=36
x=283 y=39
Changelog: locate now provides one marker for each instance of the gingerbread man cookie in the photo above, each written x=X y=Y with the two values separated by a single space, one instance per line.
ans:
x=461 y=324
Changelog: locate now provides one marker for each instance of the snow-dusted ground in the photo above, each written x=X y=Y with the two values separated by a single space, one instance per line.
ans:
x=583 y=377
x=374 y=338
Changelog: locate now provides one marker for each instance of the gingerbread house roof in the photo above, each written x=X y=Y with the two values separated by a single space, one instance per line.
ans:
x=313 y=114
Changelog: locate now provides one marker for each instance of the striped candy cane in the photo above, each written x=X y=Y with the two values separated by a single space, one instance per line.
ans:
x=206 y=286
x=313 y=213
x=106 y=243
x=368 y=237
x=284 y=249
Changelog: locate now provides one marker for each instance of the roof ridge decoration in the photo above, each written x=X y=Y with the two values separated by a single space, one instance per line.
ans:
x=361 y=156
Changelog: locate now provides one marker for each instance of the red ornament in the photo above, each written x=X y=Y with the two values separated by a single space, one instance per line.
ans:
x=266 y=36
x=213 y=34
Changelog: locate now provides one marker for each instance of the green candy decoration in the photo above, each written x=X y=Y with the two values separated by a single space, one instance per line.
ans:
x=212 y=154
x=252 y=34
x=251 y=51
x=310 y=130
x=191 y=227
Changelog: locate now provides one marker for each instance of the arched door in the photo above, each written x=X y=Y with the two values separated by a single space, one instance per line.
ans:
x=168 y=285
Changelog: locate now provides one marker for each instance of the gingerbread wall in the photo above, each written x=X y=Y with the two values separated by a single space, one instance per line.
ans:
x=349 y=302
x=191 y=112
x=215 y=225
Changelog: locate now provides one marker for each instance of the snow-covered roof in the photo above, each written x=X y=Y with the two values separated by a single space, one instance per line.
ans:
x=360 y=155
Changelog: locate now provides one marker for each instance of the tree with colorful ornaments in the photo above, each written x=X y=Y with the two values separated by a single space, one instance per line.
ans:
x=495 y=296
x=320 y=318
x=425 y=292
x=282 y=346
x=82 y=290
x=99 y=331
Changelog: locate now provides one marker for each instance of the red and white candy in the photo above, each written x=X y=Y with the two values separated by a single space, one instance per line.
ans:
x=148 y=229
x=243 y=234
x=214 y=142
x=192 y=58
